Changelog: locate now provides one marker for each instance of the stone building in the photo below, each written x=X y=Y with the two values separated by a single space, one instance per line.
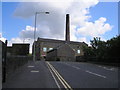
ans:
x=61 y=53
x=45 y=45
x=68 y=50
x=18 y=49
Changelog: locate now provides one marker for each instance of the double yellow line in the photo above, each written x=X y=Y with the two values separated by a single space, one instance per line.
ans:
x=63 y=82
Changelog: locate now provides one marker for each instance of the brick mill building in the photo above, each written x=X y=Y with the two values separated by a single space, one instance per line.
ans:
x=58 y=50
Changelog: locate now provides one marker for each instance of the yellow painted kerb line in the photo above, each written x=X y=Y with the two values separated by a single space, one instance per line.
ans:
x=61 y=79
x=58 y=77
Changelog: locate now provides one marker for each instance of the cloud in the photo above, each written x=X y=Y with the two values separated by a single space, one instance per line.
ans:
x=82 y=39
x=2 y=38
x=53 y=25
x=27 y=33
x=0 y=35
x=21 y=40
x=99 y=27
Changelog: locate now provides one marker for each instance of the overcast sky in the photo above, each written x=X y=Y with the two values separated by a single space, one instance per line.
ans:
x=88 y=19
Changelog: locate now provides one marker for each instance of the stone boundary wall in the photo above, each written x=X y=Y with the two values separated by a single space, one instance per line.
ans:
x=14 y=62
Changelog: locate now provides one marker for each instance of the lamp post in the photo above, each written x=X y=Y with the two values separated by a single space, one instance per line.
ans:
x=35 y=31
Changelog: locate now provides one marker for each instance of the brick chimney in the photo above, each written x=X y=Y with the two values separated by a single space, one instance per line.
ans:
x=67 y=28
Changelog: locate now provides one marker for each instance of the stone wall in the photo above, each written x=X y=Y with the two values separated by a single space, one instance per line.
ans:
x=65 y=50
x=20 y=49
x=52 y=55
x=52 y=43
x=14 y=62
x=62 y=53
x=47 y=45
x=80 y=59
x=76 y=47
x=9 y=50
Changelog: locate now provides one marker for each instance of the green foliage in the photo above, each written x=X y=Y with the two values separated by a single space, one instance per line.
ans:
x=103 y=51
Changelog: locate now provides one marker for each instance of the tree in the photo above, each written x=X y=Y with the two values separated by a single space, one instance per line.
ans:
x=103 y=51
x=99 y=48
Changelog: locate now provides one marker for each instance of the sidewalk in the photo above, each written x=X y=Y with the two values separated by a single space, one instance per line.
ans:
x=31 y=75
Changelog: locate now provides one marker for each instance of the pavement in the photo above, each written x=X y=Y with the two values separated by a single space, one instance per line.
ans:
x=43 y=74
x=31 y=75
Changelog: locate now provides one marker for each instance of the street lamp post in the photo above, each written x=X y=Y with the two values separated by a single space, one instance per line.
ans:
x=35 y=32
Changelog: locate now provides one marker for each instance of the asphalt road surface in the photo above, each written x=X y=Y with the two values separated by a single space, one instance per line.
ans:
x=44 y=74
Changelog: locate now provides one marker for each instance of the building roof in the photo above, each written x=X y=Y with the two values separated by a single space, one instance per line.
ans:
x=20 y=44
x=60 y=46
x=60 y=41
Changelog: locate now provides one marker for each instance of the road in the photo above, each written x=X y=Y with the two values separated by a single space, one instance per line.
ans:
x=44 y=74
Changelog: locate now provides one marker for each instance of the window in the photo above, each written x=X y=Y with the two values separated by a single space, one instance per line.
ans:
x=78 y=51
x=50 y=48
x=44 y=49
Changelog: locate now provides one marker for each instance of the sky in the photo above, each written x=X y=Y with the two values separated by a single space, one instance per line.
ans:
x=88 y=19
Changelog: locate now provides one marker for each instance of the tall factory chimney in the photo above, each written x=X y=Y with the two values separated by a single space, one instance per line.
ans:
x=67 y=28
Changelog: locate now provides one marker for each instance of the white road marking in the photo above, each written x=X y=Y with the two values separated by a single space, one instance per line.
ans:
x=75 y=67
x=31 y=66
x=89 y=71
x=34 y=71
x=72 y=66
x=67 y=64
x=95 y=74
x=53 y=77
x=111 y=69
x=99 y=66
